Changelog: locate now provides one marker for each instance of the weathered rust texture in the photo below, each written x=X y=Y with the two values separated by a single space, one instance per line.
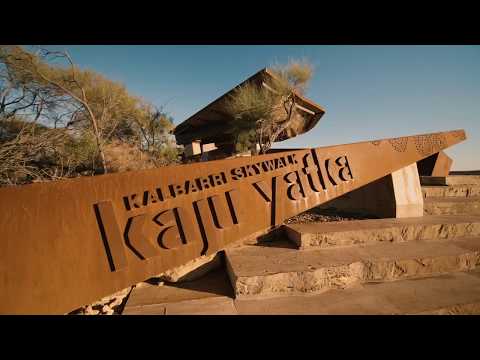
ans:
x=438 y=164
x=68 y=243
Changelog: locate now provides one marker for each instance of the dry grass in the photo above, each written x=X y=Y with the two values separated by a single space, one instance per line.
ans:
x=250 y=102
x=122 y=156
x=53 y=154
x=32 y=157
x=295 y=75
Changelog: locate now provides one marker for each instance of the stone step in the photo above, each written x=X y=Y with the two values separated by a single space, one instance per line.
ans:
x=456 y=293
x=371 y=231
x=452 y=206
x=282 y=269
x=211 y=294
x=450 y=180
x=462 y=191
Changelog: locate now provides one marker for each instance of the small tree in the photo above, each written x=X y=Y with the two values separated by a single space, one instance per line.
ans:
x=65 y=121
x=261 y=115
x=34 y=69
x=154 y=125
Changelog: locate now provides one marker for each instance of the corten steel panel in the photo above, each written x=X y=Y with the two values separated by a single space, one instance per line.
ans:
x=438 y=164
x=442 y=165
x=68 y=243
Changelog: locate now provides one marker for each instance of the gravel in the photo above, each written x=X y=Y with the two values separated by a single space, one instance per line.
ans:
x=110 y=305
x=324 y=215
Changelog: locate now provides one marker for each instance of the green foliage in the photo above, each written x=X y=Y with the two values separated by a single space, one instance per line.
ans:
x=154 y=125
x=165 y=155
x=246 y=140
x=261 y=114
x=249 y=103
x=44 y=93
x=82 y=152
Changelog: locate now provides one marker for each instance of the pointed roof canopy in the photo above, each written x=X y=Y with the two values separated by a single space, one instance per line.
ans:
x=211 y=124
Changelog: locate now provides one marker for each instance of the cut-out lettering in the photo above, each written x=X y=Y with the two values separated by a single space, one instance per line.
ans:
x=269 y=195
x=344 y=173
x=295 y=188
x=171 y=236
x=136 y=239
x=111 y=235
x=215 y=215
x=313 y=172
x=329 y=175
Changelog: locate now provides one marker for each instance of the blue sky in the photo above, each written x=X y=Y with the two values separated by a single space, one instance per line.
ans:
x=368 y=92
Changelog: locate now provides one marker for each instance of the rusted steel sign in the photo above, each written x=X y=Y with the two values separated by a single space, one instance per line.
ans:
x=68 y=243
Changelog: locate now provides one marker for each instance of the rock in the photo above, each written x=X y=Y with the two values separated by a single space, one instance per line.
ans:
x=118 y=301
x=141 y=284
x=122 y=293
x=90 y=311
x=106 y=304
x=107 y=310
x=101 y=302
x=80 y=311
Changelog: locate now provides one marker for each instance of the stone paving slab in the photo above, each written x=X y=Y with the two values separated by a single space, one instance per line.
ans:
x=206 y=306
x=356 y=232
x=148 y=298
x=452 y=205
x=463 y=191
x=266 y=271
x=155 y=309
x=450 y=180
x=354 y=301
x=456 y=293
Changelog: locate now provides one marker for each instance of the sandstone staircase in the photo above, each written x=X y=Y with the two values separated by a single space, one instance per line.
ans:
x=454 y=194
x=427 y=265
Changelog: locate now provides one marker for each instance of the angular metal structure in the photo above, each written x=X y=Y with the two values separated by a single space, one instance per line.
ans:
x=67 y=243
x=438 y=164
x=212 y=125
